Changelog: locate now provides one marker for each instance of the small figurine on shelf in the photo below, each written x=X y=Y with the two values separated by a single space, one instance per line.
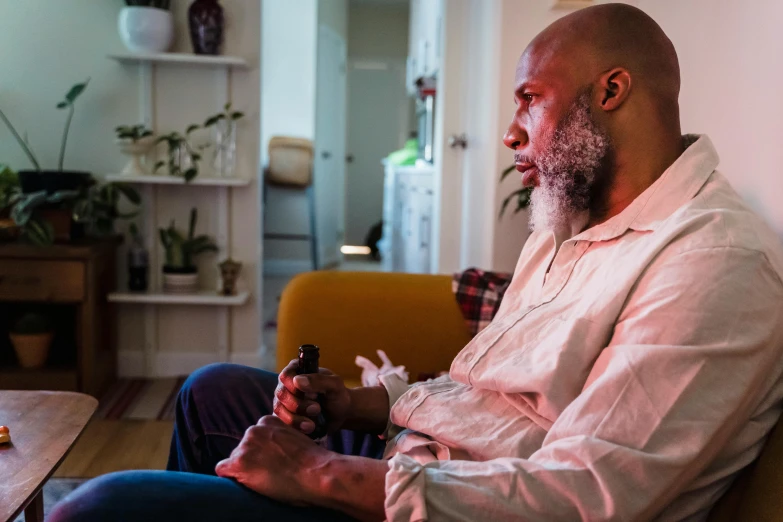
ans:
x=229 y=273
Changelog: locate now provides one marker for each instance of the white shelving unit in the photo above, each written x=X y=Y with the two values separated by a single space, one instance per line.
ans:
x=174 y=180
x=181 y=59
x=208 y=298
x=151 y=300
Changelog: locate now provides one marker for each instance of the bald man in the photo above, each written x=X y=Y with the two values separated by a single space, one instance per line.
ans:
x=633 y=368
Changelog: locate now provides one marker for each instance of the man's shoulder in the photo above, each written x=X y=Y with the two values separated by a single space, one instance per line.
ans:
x=718 y=218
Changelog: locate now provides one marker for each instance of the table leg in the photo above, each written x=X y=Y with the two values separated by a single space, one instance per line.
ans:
x=34 y=512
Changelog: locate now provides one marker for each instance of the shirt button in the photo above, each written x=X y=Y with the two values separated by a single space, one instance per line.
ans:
x=469 y=356
x=415 y=395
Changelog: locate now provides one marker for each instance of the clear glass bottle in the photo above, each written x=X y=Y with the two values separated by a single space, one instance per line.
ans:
x=225 y=148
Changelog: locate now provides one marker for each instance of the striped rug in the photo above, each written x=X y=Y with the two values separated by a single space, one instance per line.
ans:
x=140 y=399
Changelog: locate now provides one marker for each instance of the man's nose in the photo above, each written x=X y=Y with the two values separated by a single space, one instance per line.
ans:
x=514 y=137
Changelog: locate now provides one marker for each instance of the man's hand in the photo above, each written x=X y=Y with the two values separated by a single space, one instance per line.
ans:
x=274 y=460
x=295 y=398
x=283 y=464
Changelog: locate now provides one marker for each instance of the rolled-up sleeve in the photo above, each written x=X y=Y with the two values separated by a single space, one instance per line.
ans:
x=694 y=353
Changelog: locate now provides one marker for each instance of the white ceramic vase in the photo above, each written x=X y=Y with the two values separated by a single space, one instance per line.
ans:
x=146 y=29
x=137 y=152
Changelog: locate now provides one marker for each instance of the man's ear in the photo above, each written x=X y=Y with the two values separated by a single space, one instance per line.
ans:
x=614 y=87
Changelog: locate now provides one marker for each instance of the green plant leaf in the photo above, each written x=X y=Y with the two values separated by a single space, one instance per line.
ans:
x=523 y=200
x=193 y=221
x=39 y=232
x=190 y=174
x=76 y=90
x=192 y=127
x=227 y=106
x=129 y=192
x=212 y=120
x=237 y=115
x=507 y=171
x=63 y=105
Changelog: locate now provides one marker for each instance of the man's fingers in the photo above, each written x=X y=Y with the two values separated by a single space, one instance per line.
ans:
x=296 y=404
x=298 y=422
x=286 y=376
x=318 y=383
x=224 y=469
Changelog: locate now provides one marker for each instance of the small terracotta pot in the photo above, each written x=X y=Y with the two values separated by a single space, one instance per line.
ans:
x=32 y=350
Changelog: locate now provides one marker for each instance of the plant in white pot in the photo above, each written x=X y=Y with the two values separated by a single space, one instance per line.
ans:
x=146 y=26
x=31 y=337
x=135 y=142
x=180 y=274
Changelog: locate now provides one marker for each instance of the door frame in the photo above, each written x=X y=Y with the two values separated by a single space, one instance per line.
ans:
x=465 y=223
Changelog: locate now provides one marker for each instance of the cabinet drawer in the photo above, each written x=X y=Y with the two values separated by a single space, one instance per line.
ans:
x=23 y=280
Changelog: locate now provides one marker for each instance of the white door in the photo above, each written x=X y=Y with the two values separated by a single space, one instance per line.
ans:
x=378 y=123
x=466 y=106
x=329 y=174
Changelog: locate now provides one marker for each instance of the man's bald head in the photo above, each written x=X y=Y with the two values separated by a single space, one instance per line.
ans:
x=597 y=39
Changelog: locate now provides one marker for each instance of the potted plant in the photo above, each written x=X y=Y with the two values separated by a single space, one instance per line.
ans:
x=146 y=26
x=51 y=180
x=97 y=207
x=520 y=196
x=9 y=193
x=182 y=156
x=225 y=124
x=134 y=141
x=180 y=274
x=31 y=337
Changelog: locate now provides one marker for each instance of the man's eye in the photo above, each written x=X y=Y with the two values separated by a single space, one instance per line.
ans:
x=528 y=97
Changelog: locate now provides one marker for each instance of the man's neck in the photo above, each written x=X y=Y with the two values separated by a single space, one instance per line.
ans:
x=634 y=170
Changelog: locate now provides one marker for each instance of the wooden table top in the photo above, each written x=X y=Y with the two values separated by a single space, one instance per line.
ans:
x=44 y=426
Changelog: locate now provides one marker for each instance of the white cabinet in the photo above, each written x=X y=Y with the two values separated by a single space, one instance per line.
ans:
x=407 y=240
x=424 y=40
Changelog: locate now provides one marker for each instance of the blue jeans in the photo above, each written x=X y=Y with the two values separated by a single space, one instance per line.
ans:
x=214 y=408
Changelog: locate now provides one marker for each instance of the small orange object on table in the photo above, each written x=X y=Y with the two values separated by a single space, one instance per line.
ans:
x=5 y=435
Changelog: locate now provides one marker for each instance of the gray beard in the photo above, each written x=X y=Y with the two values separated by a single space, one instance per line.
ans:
x=568 y=170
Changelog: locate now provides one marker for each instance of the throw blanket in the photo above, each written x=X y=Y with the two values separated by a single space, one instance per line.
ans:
x=479 y=294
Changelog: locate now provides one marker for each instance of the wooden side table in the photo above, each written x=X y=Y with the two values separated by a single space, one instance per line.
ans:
x=44 y=427
x=73 y=280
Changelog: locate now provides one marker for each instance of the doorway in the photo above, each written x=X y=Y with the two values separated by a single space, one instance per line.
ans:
x=378 y=123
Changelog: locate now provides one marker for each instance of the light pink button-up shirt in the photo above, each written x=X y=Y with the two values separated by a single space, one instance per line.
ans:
x=630 y=383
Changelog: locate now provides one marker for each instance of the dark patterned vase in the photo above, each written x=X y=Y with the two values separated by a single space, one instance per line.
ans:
x=206 y=26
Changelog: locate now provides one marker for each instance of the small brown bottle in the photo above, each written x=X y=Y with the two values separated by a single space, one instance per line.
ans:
x=308 y=363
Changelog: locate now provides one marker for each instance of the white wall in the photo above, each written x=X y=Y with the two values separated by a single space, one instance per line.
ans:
x=71 y=40
x=289 y=39
x=731 y=56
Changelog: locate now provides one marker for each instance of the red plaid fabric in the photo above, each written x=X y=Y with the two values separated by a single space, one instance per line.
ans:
x=479 y=294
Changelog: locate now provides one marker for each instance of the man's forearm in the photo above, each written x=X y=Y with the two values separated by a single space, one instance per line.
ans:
x=354 y=485
x=369 y=410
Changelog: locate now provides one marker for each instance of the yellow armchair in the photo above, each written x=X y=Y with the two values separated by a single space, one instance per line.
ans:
x=416 y=321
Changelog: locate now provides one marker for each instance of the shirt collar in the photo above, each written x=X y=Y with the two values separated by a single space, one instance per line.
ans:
x=676 y=186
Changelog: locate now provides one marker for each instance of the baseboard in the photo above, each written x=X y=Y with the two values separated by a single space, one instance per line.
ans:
x=286 y=267
x=174 y=364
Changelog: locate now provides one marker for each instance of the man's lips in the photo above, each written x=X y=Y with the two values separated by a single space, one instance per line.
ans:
x=529 y=174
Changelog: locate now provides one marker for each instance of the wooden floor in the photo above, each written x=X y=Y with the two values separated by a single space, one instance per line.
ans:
x=116 y=445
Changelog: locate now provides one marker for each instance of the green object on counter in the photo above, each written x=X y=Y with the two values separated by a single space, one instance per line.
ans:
x=406 y=155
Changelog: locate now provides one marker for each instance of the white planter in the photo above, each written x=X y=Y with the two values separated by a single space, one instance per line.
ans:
x=146 y=29
x=136 y=150
x=180 y=283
